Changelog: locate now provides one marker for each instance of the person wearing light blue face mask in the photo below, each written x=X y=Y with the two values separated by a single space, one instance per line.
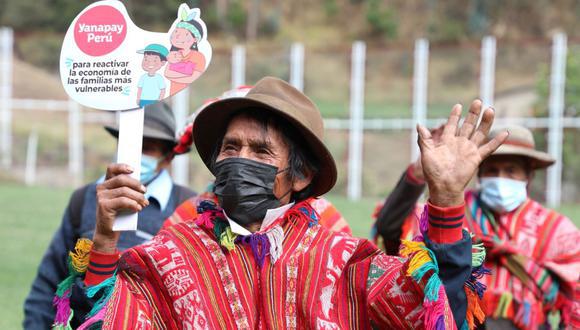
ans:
x=149 y=166
x=503 y=183
x=79 y=218
x=532 y=251
x=155 y=159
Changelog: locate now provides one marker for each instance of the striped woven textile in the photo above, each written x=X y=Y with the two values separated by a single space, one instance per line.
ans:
x=534 y=258
x=321 y=279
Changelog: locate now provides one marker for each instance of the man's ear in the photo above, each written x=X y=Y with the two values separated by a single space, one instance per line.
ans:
x=300 y=183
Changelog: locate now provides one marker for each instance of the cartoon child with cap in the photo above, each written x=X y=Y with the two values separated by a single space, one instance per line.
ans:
x=151 y=86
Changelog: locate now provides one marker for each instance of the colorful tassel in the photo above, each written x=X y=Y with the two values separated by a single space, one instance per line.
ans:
x=422 y=263
x=473 y=282
x=65 y=325
x=206 y=205
x=421 y=259
x=477 y=254
x=259 y=244
x=65 y=285
x=107 y=287
x=424 y=220
x=219 y=227
x=227 y=239
x=79 y=258
x=423 y=226
x=63 y=311
x=434 y=311
x=474 y=312
x=205 y=220
x=78 y=261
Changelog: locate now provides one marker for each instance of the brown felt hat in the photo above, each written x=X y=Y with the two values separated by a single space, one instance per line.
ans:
x=278 y=97
x=520 y=142
x=158 y=123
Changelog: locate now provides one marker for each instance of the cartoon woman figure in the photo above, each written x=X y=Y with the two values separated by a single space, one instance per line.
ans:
x=186 y=63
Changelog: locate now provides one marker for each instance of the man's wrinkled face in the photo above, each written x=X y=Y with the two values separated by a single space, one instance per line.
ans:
x=248 y=138
x=505 y=166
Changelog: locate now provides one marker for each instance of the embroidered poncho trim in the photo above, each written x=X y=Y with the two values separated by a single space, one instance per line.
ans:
x=423 y=267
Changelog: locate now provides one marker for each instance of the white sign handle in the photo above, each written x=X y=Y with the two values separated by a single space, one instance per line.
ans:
x=129 y=152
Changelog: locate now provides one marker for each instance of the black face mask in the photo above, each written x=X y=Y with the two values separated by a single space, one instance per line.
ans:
x=245 y=188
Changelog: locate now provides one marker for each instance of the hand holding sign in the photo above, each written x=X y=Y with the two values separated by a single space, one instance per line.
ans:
x=109 y=63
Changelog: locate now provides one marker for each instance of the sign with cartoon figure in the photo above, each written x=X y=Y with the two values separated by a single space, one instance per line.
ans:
x=109 y=63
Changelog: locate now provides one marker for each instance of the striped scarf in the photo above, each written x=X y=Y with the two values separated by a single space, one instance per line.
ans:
x=531 y=274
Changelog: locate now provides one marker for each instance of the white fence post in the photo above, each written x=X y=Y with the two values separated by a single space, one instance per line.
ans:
x=420 y=73
x=355 y=145
x=555 y=131
x=31 y=152
x=6 y=44
x=297 y=66
x=487 y=77
x=75 y=142
x=180 y=164
x=238 y=66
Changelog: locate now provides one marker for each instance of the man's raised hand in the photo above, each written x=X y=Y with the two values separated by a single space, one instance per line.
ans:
x=450 y=162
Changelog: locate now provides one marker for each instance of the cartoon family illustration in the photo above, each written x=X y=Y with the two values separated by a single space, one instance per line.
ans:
x=185 y=65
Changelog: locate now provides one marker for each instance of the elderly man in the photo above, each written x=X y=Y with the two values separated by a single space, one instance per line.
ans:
x=259 y=258
x=329 y=216
x=533 y=252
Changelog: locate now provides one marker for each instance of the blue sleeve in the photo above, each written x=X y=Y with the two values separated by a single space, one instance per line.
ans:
x=38 y=309
x=397 y=207
x=454 y=261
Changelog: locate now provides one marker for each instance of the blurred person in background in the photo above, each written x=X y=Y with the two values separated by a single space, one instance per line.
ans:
x=532 y=252
x=79 y=218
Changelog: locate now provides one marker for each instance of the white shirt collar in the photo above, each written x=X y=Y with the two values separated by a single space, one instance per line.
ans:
x=160 y=189
x=271 y=215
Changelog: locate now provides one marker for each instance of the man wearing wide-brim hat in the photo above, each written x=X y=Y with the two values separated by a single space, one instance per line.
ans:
x=79 y=218
x=259 y=259
x=532 y=252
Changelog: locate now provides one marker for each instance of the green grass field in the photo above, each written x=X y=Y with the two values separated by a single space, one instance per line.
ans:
x=31 y=215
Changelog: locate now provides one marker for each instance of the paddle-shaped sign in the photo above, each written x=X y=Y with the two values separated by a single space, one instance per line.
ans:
x=109 y=63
